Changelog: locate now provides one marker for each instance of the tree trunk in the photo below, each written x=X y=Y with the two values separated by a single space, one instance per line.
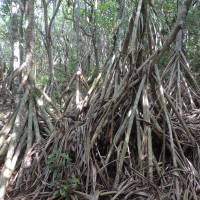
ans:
x=179 y=41
x=95 y=36
x=48 y=40
x=48 y=44
x=14 y=149
x=120 y=25
x=21 y=33
x=29 y=34
x=15 y=35
x=78 y=59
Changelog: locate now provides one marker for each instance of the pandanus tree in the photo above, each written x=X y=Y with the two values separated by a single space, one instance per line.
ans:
x=132 y=135
x=23 y=128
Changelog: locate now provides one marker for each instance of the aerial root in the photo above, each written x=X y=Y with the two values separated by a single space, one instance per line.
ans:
x=29 y=124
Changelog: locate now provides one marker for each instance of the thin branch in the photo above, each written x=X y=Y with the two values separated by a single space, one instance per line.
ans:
x=54 y=15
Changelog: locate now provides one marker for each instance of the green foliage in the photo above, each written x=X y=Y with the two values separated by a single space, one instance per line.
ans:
x=42 y=80
x=72 y=60
x=106 y=15
x=4 y=9
x=170 y=6
x=61 y=192
x=5 y=50
x=65 y=187
x=56 y=161
x=193 y=37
